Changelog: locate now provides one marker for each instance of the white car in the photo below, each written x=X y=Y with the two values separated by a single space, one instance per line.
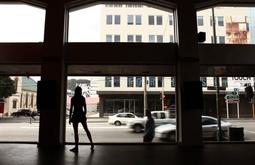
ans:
x=121 y=118
x=160 y=118
x=209 y=129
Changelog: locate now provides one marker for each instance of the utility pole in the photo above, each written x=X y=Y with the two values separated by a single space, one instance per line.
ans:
x=145 y=96
x=162 y=95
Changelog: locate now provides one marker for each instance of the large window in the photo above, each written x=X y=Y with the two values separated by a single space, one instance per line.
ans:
x=110 y=109
x=233 y=25
x=19 y=121
x=109 y=22
x=21 y=23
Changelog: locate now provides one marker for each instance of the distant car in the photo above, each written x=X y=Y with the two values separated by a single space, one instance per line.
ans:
x=22 y=112
x=121 y=118
x=209 y=129
x=160 y=118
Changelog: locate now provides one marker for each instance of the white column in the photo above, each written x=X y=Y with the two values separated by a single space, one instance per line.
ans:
x=227 y=109
x=238 y=115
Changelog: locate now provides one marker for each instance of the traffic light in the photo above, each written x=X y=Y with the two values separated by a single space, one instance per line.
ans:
x=249 y=92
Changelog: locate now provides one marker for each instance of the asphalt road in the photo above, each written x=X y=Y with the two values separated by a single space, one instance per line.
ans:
x=26 y=129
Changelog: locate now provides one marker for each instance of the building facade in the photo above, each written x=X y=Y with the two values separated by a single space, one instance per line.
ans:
x=24 y=98
x=129 y=22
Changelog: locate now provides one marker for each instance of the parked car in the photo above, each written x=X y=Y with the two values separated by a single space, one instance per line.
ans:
x=209 y=129
x=22 y=112
x=121 y=118
x=160 y=118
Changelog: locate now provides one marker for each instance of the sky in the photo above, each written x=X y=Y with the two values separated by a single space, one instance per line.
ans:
x=21 y=23
x=24 y=23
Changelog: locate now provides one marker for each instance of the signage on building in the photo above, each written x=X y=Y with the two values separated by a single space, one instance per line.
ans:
x=239 y=82
x=232 y=97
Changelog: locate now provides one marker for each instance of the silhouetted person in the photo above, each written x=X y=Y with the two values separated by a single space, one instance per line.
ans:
x=149 y=128
x=77 y=115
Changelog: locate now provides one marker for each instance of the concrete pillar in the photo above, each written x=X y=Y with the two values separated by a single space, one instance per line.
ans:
x=189 y=99
x=52 y=118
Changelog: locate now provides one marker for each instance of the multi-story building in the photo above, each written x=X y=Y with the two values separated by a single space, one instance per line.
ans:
x=135 y=23
x=127 y=22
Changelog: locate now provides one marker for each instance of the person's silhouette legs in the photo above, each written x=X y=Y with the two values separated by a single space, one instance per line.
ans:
x=84 y=124
x=76 y=137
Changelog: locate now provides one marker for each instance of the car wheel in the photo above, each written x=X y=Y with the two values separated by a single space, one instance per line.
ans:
x=138 y=128
x=117 y=123
x=171 y=136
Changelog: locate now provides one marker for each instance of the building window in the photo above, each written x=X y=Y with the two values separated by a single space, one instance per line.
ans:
x=108 y=81
x=130 y=20
x=116 y=81
x=138 y=38
x=21 y=100
x=138 y=20
x=159 y=20
x=152 y=82
x=211 y=21
x=108 y=38
x=151 y=38
x=117 y=20
x=130 y=81
x=224 y=82
x=172 y=81
x=220 y=21
x=159 y=38
x=108 y=19
x=26 y=101
x=151 y=20
x=171 y=38
x=170 y=20
x=160 y=82
x=221 y=39
x=14 y=104
x=32 y=100
x=130 y=38
x=138 y=82
x=116 y=38
x=204 y=81
x=16 y=84
x=200 y=21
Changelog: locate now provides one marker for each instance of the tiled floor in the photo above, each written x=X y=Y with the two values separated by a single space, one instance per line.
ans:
x=131 y=154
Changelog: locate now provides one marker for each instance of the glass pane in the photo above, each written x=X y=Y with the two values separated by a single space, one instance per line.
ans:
x=234 y=106
x=127 y=103
x=111 y=19
x=130 y=20
x=21 y=23
x=233 y=25
x=19 y=116
x=138 y=19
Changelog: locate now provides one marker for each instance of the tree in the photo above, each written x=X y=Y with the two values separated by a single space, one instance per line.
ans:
x=7 y=87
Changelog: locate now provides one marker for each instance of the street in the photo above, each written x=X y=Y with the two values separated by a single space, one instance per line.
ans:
x=24 y=129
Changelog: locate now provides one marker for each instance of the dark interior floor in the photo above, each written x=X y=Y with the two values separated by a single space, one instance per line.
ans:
x=122 y=154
